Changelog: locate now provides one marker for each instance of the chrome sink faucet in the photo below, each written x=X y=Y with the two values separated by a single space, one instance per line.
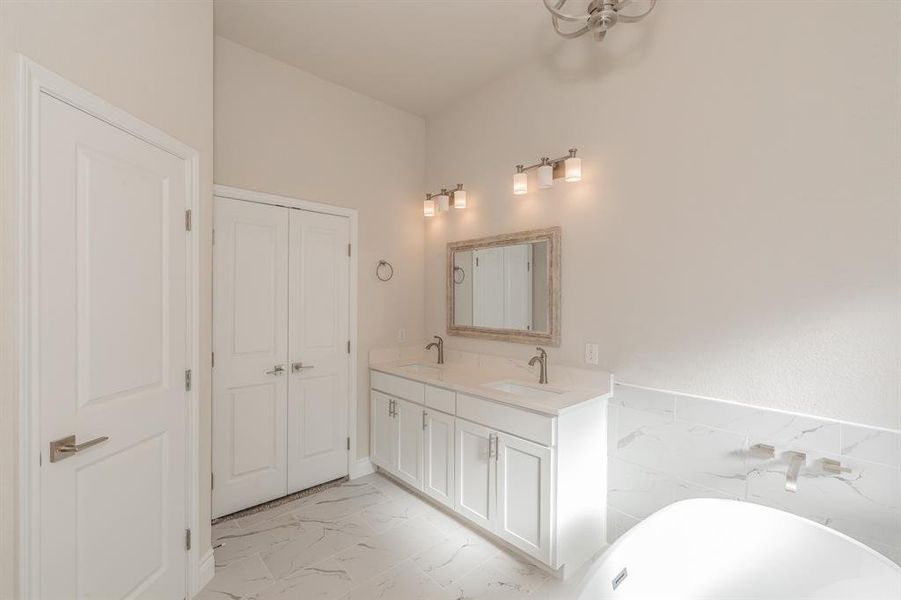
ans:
x=541 y=358
x=440 y=346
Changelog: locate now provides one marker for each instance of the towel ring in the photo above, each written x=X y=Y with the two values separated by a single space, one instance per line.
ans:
x=462 y=275
x=380 y=270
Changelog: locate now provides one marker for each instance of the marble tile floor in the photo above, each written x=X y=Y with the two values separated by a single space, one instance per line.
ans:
x=367 y=539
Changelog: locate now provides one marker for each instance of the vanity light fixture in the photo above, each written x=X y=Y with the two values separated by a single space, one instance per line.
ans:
x=459 y=196
x=568 y=167
x=520 y=181
x=441 y=202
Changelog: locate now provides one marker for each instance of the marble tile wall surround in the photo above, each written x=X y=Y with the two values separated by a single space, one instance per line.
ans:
x=665 y=447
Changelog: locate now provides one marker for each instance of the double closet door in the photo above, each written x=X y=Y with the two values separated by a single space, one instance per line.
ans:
x=280 y=346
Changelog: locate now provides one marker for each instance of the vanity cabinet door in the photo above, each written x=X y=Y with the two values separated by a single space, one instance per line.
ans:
x=524 y=495
x=409 y=423
x=475 y=472
x=438 y=457
x=383 y=437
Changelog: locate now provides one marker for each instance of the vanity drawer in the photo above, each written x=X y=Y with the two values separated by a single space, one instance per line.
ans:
x=441 y=399
x=397 y=386
x=522 y=423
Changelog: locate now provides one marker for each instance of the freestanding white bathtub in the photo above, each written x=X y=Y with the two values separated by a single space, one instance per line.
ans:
x=731 y=550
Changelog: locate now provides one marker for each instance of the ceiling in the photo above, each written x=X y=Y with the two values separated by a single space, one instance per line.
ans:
x=416 y=55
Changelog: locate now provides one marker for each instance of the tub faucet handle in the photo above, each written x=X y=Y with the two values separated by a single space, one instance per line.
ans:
x=796 y=460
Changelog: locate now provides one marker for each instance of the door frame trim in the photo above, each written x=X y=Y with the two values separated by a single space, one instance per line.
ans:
x=34 y=80
x=233 y=193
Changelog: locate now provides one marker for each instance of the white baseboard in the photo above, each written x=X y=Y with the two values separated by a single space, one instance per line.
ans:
x=362 y=467
x=205 y=571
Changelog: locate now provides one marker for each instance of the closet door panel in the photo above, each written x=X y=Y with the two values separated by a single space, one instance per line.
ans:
x=318 y=314
x=250 y=342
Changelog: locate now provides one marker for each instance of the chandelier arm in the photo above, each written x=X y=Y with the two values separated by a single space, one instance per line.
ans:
x=561 y=15
x=569 y=34
x=636 y=18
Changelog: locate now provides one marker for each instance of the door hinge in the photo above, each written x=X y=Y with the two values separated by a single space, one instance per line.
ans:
x=348 y=346
x=187 y=539
x=348 y=443
x=348 y=250
x=212 y=481
x=188 y=220
x=214 y=237
x=477 y=261
x=187 y=380
x=212 y=359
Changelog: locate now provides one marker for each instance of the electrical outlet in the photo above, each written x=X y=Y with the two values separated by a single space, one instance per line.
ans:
x=401 y=335
x=591 y=354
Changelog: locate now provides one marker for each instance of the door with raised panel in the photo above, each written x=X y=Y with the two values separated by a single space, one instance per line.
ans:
x=383 y=432
x=410 y=421
x=438 y=457
x=524 y=495
x=475 y=470
x=110 y=336
x=250 y=343
x=318 y=294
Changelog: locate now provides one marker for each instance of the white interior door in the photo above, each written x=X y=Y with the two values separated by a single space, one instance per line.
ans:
x=318 y=298
x=524 y=495
x=438 y=457
x=518 y=287
x=250 y=343
x=475 y=466
x=409 y=419
x=110 y=302
x=488 y=287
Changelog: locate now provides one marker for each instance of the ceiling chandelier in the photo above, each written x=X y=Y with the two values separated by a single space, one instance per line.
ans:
x=601 y=15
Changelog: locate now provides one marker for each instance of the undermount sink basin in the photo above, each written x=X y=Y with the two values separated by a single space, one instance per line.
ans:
x=421 y=369
x=519 y=389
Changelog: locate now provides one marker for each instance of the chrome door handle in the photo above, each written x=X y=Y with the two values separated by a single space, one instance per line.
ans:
x=299 y=366
x=276 y=370
x=63 y=448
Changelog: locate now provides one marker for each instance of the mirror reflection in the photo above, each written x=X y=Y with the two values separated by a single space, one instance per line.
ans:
x=502 y=287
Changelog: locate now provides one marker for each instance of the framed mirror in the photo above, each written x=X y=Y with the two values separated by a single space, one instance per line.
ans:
x=506 y=287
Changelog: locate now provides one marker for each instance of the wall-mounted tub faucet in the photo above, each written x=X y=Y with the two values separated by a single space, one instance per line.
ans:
x=796 y=460
x=440 y=346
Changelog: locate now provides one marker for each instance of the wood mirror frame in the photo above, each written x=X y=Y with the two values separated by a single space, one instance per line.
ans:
x=551 y=337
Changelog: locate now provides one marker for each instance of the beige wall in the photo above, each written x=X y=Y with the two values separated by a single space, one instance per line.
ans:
x=154 y=60
x=736 y=233
x=283 y=131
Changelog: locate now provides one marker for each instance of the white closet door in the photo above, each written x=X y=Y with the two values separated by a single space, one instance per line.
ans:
x=488 y=288
x=250 y=376
x=318 y=322
x=517 y=275
x=109 y=300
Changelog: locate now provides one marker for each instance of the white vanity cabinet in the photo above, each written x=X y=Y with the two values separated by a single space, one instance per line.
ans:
x=535 y=480
x=438 y=457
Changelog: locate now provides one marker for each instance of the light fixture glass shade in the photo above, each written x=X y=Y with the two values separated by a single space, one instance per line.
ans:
x=460 y=199
x=443 y=202
x=573 y=169
x=520 y=183
x=428 y=208
x=545 y=177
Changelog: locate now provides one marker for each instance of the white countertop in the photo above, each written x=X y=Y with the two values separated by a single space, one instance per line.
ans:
x=473 y=380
